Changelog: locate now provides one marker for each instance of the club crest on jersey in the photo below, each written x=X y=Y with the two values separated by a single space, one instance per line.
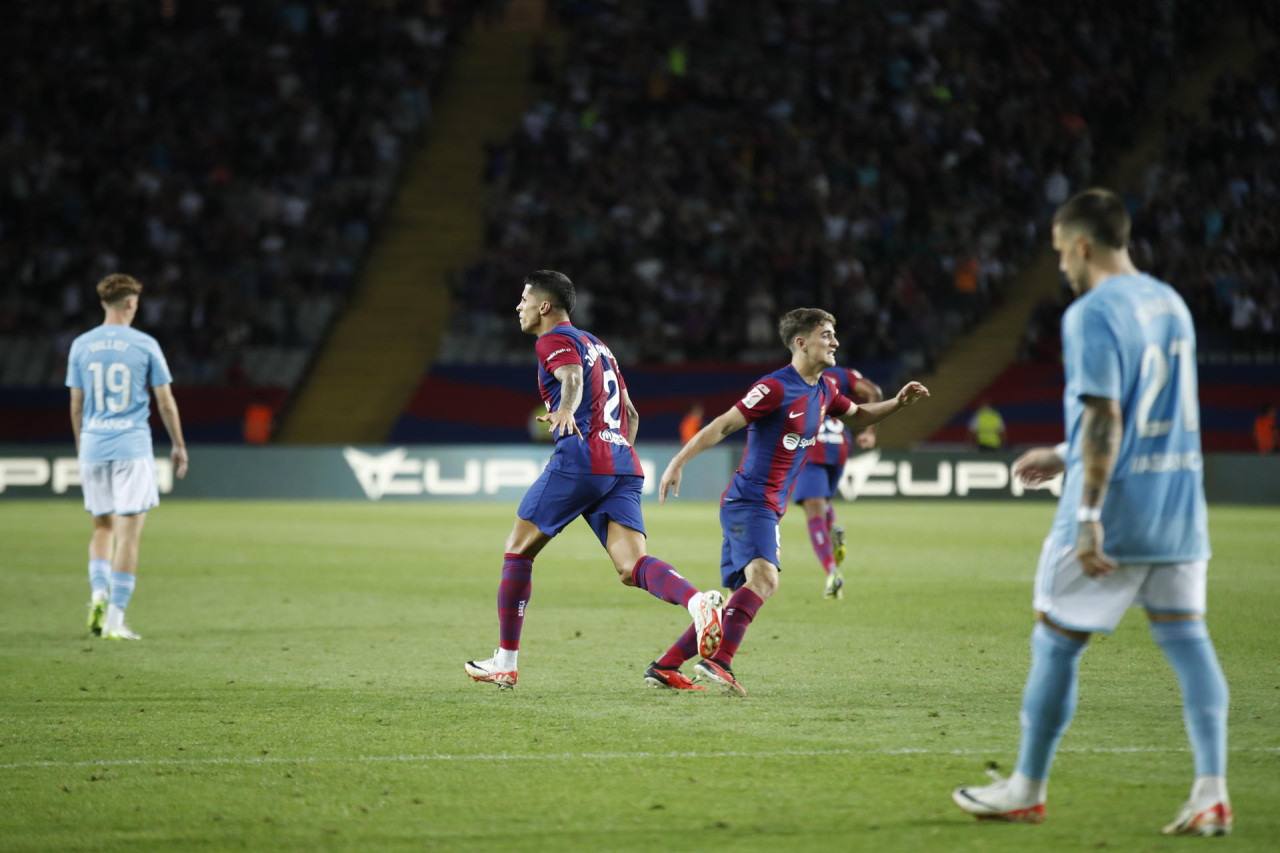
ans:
x=755 y=395
x=791 y=441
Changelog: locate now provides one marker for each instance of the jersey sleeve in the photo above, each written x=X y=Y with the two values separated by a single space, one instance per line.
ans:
x=159 y=367
x=1094 y=360
x=73 y=366
x=764 y=398
x=840 y=406
x=555 y=351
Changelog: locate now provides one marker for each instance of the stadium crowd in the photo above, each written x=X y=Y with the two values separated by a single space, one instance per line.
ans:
x=233 y=156
x=699 y=168
x=1207 y=219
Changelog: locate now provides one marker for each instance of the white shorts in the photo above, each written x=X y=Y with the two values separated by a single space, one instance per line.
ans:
x=123 y=487
x=1077 y=602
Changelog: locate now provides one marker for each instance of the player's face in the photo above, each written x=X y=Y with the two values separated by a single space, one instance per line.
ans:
x=821 y=344
x=1072 y=247
x=528 y=310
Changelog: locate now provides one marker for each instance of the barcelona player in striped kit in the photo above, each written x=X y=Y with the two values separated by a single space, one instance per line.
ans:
x=816 y=484
x=782 y=413
x=593 y=473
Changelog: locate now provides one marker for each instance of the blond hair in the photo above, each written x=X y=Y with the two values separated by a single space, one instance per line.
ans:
x=117 y=287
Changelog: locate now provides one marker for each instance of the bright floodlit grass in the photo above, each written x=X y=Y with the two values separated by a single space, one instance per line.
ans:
x=299 y=686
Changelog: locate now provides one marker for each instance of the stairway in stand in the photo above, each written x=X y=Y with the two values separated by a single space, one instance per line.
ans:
x=379 y=348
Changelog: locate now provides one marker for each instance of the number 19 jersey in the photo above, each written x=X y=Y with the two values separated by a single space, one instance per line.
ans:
x=1131 y=339
x=116 y=366
x=601 y=416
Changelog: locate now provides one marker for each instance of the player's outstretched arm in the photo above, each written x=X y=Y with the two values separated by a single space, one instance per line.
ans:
x=709 y=436
x=168 y=408
x=564 y=420
x=872 y=413
x=870 y=391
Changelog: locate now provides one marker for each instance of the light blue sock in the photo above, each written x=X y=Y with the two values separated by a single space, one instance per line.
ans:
x=122 y=585
x=1204 y=690
x=99 y=577
x=1049 y=699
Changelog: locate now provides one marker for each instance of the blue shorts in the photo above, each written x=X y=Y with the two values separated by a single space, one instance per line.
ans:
x=557 y=498
x=816 y=480
x=750 y=532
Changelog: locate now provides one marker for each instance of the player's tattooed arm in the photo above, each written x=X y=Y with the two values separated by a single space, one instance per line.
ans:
x=1101 y=430
x=563 y=421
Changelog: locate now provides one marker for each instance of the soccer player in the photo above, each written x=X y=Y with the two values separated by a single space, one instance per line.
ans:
x=1134 y=476
x=817 y=480
x=593 y=473
x=782 y=412
x=109 y=371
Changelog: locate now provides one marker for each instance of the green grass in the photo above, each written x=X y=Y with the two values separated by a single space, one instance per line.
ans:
x=300 y=687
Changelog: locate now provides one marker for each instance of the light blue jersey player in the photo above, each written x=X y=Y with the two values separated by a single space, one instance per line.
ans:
x=111 y=371
x=1131 y=526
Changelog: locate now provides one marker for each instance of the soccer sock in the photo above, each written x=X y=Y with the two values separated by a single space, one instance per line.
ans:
x=1049 y=699
x=660 y=580
x=831 y=516
x=122 y=585
x=99 y=579
x=738 y=613
x=685 y=648
x=1204 y=690
x=820 y=536
x=513 y=597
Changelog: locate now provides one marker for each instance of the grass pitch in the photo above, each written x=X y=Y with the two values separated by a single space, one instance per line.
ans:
x=300 y=686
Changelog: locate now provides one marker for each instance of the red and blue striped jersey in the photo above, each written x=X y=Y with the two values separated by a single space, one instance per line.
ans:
x=834 y=437
x=601 y=416
x=783 y=413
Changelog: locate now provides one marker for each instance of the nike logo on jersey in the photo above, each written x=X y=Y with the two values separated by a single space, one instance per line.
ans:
x=795 y=414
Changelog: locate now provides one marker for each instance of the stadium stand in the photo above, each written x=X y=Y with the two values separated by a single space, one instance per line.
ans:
x=235 y=157
x=1205 y=221
x=700 y=167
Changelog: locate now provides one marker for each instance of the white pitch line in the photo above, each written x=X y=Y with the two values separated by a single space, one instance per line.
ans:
x=578 y=756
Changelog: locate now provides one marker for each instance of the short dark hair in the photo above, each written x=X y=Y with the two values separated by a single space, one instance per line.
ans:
x=802 y=321
x=1100 y=214
x=117 y=287
x=555 y=286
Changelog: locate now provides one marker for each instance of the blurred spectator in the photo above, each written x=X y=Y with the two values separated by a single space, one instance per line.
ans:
x=1266 y=432
x=691 y=423
x=986 y=427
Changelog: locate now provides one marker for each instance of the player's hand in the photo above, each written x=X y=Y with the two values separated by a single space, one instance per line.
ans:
x=179 y=457
x=1095 y=563
x=911 y=392
x=562 y=424
x=866 y=439
x=1037 y=466
x=670 y=480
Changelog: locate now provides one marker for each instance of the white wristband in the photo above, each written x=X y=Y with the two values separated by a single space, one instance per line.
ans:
x=1060 y=451
x=1089 y=513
